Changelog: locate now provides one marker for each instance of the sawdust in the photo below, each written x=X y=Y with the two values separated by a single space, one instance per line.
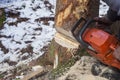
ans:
x=81 y=70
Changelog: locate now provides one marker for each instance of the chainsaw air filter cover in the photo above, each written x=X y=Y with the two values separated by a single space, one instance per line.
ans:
x=100 y=40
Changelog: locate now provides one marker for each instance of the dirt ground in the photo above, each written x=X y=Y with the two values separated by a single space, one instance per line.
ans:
x=86 y=68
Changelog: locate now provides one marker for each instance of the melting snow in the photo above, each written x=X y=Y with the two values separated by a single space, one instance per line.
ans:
x=29 y=33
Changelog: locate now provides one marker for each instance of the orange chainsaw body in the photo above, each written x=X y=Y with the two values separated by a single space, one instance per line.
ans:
x=104 y=45
x=98 y=42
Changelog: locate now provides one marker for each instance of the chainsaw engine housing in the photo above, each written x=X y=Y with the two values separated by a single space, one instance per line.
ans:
x=98 y=42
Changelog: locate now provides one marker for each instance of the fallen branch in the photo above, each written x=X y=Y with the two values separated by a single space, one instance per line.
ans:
x=33 y=73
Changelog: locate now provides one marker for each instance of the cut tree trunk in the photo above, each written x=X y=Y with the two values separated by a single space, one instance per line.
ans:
x=67 y=13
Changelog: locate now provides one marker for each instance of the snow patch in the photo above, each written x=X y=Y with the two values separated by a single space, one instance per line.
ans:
x=22 y=41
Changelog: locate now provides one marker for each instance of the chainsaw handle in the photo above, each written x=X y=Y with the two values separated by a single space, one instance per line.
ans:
x=75 y=27
x=77 y=24
x=81 y=31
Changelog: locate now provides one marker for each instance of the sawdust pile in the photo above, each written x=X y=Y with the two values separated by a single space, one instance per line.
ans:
x=88 y=68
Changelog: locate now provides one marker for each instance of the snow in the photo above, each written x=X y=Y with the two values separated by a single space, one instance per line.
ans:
x=30 y=34
x=17 y=37
x=103 y=8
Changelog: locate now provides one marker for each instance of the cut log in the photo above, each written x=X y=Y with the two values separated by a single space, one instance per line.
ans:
x=33 y=73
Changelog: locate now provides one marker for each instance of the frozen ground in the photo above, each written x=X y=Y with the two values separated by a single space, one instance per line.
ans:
x=27 y=29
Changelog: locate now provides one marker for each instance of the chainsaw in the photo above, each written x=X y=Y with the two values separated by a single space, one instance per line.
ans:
x=98 y=42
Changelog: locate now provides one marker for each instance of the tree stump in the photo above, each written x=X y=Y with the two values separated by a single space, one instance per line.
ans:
x=67 y=13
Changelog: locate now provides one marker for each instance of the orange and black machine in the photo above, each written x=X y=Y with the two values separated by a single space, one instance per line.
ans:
x=98 y=42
